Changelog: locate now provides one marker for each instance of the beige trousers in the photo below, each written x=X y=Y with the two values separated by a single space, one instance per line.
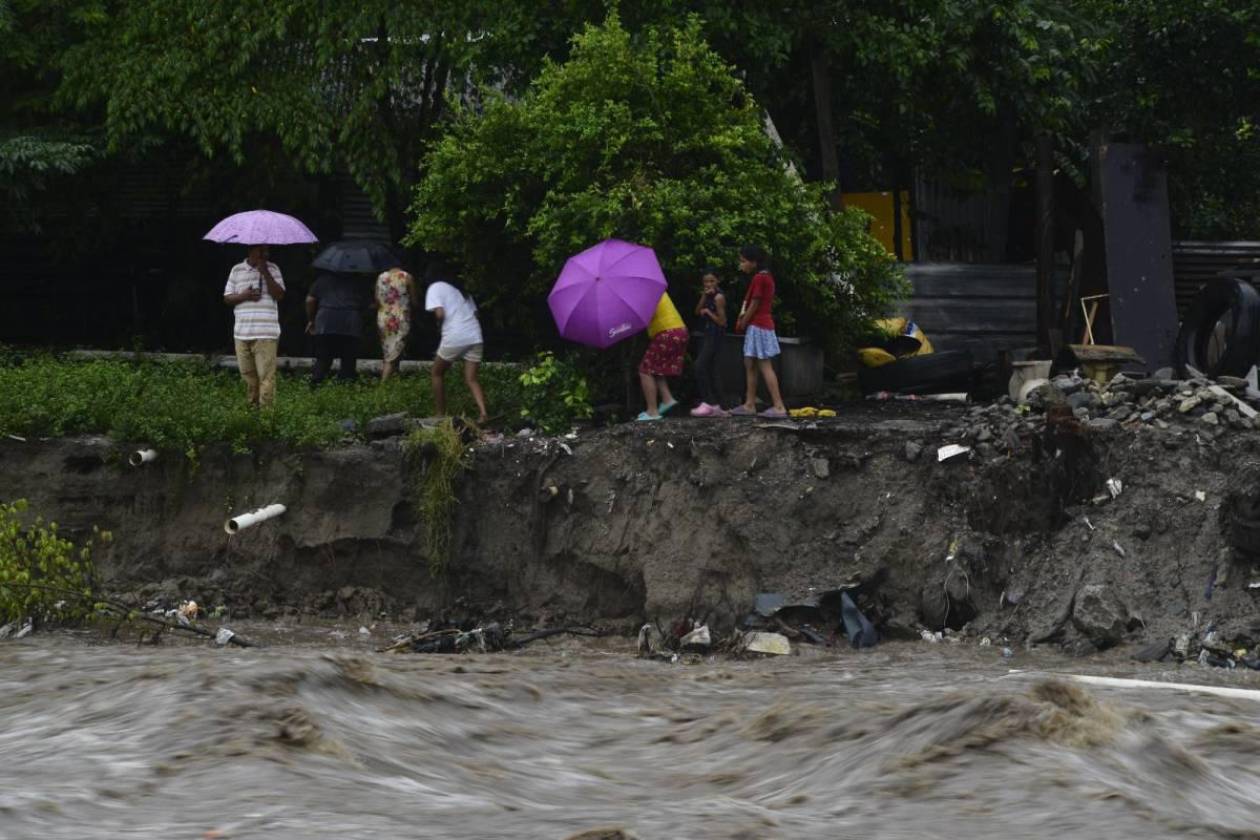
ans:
x=257 y=360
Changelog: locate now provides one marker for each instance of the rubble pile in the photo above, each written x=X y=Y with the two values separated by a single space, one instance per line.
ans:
x=1174 y=410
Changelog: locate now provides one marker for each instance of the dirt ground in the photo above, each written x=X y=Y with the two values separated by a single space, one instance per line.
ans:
x=1020 y=539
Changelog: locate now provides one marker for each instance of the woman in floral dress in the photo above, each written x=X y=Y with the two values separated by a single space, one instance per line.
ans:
x=395 y=290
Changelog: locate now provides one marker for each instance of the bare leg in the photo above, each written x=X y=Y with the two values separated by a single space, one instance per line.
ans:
x=438 y=378
x=662 y=387
x=648 y=383
x=470 y=379
x=772 y=382
x=387 y=369
x=750 y=379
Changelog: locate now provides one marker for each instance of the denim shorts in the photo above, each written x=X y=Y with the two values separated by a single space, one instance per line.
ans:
x=760 y=343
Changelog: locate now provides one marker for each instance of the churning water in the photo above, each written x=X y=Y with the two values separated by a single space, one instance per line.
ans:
x=332 y=740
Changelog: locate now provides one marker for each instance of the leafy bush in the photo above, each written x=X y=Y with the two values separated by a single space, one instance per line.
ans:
x=555 y=394
x=650 y=138
x=184 y=405
x=42 y=575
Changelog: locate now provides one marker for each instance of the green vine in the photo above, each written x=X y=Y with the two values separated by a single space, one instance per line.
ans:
x=436 y=456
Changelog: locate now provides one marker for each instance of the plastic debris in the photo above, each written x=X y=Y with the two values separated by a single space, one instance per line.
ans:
x=223 y=636
x=857 y=627
x=363 y=631
x=949 y=451
x=771 y=644
x=1119 y=548
x=930 y=637
x=1200 y=495
x=698 y=639
x=1115 y=487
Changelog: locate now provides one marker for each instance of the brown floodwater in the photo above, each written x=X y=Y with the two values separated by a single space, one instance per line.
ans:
x=318 y=736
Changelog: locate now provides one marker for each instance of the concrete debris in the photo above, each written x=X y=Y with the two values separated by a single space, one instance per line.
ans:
x=770 y=644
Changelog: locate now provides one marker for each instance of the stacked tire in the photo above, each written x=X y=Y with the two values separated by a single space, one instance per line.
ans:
x=1220 y=335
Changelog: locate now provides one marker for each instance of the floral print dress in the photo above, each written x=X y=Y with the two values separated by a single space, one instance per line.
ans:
x=393 y=315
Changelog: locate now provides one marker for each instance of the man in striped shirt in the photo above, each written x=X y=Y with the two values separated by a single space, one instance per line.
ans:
x=253 y=290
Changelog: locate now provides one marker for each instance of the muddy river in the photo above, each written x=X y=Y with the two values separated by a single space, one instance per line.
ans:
x=320 y=737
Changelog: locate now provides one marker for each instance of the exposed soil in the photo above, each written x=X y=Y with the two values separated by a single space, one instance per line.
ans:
x=1019 y=539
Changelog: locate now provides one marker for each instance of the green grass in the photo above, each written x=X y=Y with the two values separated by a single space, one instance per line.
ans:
x=185 y=405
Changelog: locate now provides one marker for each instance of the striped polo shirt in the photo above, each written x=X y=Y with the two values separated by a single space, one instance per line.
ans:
x=254 y=318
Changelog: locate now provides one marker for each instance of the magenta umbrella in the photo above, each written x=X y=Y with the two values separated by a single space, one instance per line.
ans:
x=607 y=293
x=260 y=227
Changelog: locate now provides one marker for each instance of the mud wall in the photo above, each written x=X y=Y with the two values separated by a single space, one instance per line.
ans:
x=695 y=517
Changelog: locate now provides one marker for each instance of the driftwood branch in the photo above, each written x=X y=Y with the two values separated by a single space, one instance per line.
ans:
x=128 y=611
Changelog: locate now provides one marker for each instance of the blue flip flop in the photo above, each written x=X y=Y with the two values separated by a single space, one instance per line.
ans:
x=644 y=417
x=665 y=408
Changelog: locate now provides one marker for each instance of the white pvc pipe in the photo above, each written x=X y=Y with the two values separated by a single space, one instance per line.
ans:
x=1118 y=682
x=142 y=456
x=245 y=520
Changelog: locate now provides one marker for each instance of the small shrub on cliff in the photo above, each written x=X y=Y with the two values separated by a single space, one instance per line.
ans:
x=42 y=575
x=436 y=455
x=555 y=394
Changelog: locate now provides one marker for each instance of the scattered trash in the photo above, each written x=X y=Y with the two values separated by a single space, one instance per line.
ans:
x=363 y=631
x=189 y=610
x=1206 y=657
x=949 y=451
x=568 y=450
x=1088 y=524
x=1200 y=495
x=986 y=642
x=223 y=637
x=771 y=644
x=1007 y=653
x=930 y=637
x=1254 y=584
x=13 y=630
x=697 y=641
x=1119 y=548
x=861 y=632
x=1114 y=487
x=1181 y=647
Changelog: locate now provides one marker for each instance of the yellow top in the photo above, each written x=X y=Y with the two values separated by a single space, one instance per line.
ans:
x=666 y=317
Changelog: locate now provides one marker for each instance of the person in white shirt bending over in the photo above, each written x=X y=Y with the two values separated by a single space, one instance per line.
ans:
x=461 y=335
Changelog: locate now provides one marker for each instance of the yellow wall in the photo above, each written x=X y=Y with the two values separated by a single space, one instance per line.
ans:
x=880 y=206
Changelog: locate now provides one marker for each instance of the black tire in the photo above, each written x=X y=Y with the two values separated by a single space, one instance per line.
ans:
x=931 y=374
x=1225 y=313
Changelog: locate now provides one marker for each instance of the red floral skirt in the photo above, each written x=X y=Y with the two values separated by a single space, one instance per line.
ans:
x=664 y=356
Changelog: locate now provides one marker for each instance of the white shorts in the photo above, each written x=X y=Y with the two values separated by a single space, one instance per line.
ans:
x=467 y=352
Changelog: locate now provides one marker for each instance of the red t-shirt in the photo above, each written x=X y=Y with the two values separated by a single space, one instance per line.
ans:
x=761 y=287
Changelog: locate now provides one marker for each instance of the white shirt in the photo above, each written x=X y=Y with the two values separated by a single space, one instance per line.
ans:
x=254 y=318
x=460 y=327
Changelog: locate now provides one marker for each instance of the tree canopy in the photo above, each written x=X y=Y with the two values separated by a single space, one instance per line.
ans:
x=649 y=138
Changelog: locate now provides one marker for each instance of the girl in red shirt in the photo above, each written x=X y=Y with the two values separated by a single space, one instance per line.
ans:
x=761 y=343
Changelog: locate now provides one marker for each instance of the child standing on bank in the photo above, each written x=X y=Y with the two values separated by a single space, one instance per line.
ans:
x=664 y=358
x=712 y=309
x=761 y=343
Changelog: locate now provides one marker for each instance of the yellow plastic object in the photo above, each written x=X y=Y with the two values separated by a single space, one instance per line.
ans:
x=810 y=411
x=904 y=326
x=826 y=412
x=874 y=356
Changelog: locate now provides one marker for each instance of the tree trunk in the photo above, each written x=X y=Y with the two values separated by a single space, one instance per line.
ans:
x=820 y=68
x=1045 y=240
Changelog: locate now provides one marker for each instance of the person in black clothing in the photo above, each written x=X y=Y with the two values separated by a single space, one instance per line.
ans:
x=712 y=310
x=334 y=318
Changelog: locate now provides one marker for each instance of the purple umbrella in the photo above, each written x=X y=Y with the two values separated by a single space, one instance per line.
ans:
x=607 y=293
x=260 y=227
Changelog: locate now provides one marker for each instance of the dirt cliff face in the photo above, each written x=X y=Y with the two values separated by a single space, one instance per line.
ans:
x=1019 y=538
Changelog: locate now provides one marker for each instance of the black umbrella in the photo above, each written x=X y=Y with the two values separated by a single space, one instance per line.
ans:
x=357 y=256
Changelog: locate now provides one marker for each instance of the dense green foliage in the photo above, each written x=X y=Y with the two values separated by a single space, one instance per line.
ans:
x=555 y=394
x=185 y=406
x=651 y=139
x=42 y=575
